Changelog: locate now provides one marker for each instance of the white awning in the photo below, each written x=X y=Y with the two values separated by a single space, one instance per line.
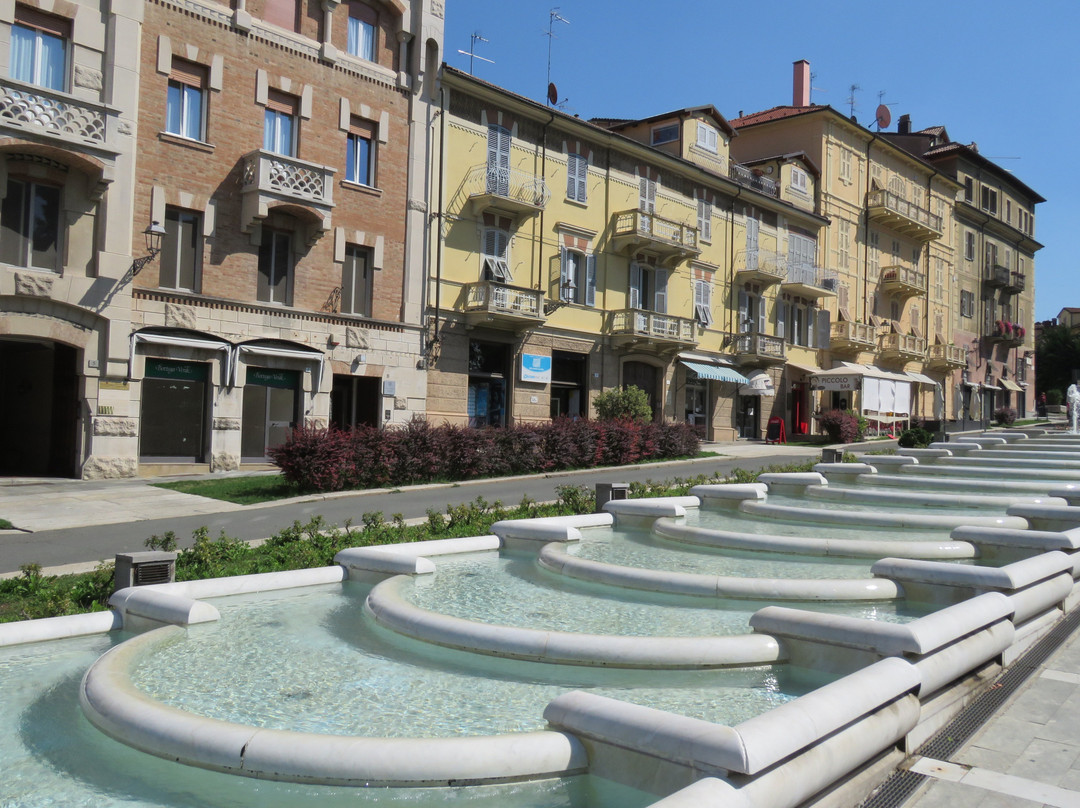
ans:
x=921 y=378
x=179 y=340
x=303 y=354
x=705 y=359
x=759 y=383
x=1009 y=384
x=715 y=372
x=801 y=368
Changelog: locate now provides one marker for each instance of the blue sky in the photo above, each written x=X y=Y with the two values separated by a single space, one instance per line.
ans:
x=1001 y=74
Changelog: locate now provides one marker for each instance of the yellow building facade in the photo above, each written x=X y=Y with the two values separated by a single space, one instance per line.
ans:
x=574 y=257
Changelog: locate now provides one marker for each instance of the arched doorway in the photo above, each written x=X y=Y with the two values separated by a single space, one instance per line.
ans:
x=39 y=408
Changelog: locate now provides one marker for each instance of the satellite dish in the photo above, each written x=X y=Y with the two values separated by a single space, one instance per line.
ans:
x=883 y=117
x=553 y=94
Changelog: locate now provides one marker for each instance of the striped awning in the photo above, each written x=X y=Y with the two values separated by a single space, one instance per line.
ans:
x=715 y=372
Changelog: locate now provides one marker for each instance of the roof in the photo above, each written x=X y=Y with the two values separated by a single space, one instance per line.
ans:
x=971 y=153
x=774 y=114
x=686 y=112
x=787 y=158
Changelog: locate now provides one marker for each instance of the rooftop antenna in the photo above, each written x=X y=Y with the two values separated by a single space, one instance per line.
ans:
x=471 y=52
x=851 y=99
x=553 y=17
x=813 y=76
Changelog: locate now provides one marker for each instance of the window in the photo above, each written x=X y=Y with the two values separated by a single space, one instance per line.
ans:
x=360 y=153
x=799 y=180
x=707 y=138
x=969 y=189
x=356 y=281
x=275 y=266
x=845 y=165
x=646 y=195
x=577 y=175
x=665 y=134
x=498 y=162
x=703 y=302
x=751 y=313
x=991 y=256
x=577 y=277
x=1008 y=211
x=967 y=303
x=363 y=23
x=181 y=250
x=844 y=244
x=495 y=259
x=969 y=246
x=279 y=124
x=648 y=288
x=39 y=48
x=802 y=252
x=704 y=220
x=30 y=224
x=184 y=102
x=874 y=255
x=989 y=200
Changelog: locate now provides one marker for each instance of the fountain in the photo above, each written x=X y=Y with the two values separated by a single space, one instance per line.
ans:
x=1073 y=399
x=604 y=659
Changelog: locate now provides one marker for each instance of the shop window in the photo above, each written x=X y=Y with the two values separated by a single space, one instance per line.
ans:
x=488 y=373
x=172 y=423
x=569 y=393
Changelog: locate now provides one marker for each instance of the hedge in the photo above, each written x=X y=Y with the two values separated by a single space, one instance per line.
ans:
x=368 y=457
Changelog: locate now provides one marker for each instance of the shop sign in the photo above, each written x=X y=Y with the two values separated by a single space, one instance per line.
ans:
x=171 y=369
x=840 y=383
x=265 y=377
x=536 y=368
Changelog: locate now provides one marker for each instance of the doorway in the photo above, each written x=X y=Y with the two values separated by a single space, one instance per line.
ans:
x=172 y=423
x=39 y=409
x=749 y=417
x=354 y=401
x=645 y=377
x=568 y=390
x=270 y=411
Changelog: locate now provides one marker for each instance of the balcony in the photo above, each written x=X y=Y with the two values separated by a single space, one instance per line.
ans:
x=1005 y=332
x=901 y=281
x=947 y=356
x=496 y=305
x=1017 y=282
x=751 y=179
x=759 y=349
x=636 y=230
x=901 y=347
x=849 y=337
x=642 y=328
x=507 y=190
x=901 y=216
x=57 y=116
x=996 y=275
x=809 y=281
x=760 y=266
x=269 y=179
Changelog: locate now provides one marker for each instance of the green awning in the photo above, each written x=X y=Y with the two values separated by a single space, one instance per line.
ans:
x=715 y=372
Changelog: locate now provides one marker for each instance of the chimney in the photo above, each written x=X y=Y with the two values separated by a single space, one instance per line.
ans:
x=903 y=126
x=800 y=95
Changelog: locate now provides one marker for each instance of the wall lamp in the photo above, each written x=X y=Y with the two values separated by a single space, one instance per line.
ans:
x=153 y=234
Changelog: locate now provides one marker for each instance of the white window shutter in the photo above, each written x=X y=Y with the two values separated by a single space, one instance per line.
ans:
x=660 y=304
x=744 y=312
x=590 y=280
x=635 y=286
x=761 y=315
x=824 y=328
x=502 y=240
x=566 y=282
x=781 y=320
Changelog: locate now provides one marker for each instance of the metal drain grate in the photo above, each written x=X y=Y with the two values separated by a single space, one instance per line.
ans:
x=902 y=784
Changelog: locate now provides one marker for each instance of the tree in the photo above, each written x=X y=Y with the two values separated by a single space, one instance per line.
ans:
x=631 y=403
x=1057 y=357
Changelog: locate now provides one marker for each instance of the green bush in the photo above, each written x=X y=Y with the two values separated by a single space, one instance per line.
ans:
x=1005 y=416
x=1054 y=397
x=915 y=438
x=631 y=403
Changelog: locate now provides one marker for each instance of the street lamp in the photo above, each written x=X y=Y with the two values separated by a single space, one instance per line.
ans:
x=154 y=233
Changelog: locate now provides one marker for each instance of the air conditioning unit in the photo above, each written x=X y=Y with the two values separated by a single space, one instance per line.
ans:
x=143 y=569
x=606 y=492
x=829 y=283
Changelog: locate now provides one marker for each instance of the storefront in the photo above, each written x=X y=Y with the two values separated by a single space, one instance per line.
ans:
x=173 y=411
x=271 y=410
x=569 y=379
x=489 y=364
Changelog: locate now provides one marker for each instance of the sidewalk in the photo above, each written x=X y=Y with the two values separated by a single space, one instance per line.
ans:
x=40 y=504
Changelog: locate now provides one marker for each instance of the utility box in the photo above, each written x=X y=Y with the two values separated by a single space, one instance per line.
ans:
x=143 y=569
x=832 y=455
x=605 y=492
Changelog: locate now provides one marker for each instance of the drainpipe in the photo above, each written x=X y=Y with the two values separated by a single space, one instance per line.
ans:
x=733 y=298
x=866 y=238
x=543 y=175
x=437 y=338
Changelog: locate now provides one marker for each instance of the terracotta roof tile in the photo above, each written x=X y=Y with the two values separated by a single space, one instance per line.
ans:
x=773 y=114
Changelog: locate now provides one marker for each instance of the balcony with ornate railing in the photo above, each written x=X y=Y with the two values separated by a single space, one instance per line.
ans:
x=642 y=328
x=810 y=281
x=759 y=349
x=850 y=337
x=750 y=178
x=268 y=178
x=901 y=216
x=901 y=347
x=635 y=230
x=947 y=356
x=59 y=116
x=498 y=305
x=760 y=266
x=1017 y=282
x=996 y=275
x=519 y=193
x=901 y=281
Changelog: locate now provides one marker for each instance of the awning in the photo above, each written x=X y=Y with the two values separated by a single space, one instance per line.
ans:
x=921 y=378
x=705 y=359
x=717 y=373
x=179 y=338
x=299 y=352
x=1009 y=384
x=990 y=387
x=759 y=383
x=801 y=368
